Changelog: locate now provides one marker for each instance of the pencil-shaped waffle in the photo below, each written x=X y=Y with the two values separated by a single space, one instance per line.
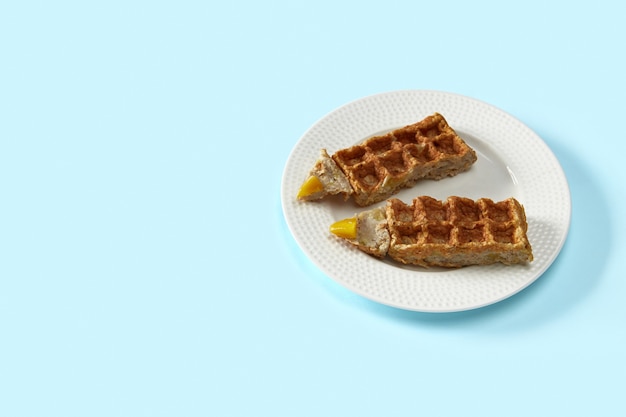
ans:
x=380 y=166
x=452 y=233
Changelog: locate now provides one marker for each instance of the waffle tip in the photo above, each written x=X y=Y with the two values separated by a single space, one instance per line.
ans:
x=346 y=228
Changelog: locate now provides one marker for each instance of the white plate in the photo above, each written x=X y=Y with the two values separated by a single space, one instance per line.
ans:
x=512 y=161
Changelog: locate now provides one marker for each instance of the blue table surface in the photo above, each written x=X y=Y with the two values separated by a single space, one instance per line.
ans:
x=147 y=268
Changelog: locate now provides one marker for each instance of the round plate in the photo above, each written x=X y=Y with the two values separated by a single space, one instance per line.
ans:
x=512 y=162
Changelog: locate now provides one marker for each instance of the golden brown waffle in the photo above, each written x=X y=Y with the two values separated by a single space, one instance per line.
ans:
x=457 y=232
x=452 y=233
x=381 y=165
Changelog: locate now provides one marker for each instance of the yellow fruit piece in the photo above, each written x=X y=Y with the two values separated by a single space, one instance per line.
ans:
x=345 y=228
x=311 y=186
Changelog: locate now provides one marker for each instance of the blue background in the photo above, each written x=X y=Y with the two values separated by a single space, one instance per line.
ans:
x=146 y=268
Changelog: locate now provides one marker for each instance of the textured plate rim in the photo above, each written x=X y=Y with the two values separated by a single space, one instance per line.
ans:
x=457 y=114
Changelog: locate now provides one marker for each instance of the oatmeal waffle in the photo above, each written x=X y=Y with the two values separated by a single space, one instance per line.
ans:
x=452 y=233
x=381 y=165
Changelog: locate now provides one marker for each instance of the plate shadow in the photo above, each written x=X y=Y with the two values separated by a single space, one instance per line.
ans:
x=575 y=273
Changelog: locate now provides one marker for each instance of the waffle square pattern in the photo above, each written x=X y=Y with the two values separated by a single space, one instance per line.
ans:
x=381 y=165
x=457 y=232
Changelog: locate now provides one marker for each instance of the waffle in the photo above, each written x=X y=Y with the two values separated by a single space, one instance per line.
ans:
x=452 y=233
x=382 y=165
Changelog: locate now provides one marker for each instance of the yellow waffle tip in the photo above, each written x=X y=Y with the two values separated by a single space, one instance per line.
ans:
x=311 y=186
x=345 y=228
